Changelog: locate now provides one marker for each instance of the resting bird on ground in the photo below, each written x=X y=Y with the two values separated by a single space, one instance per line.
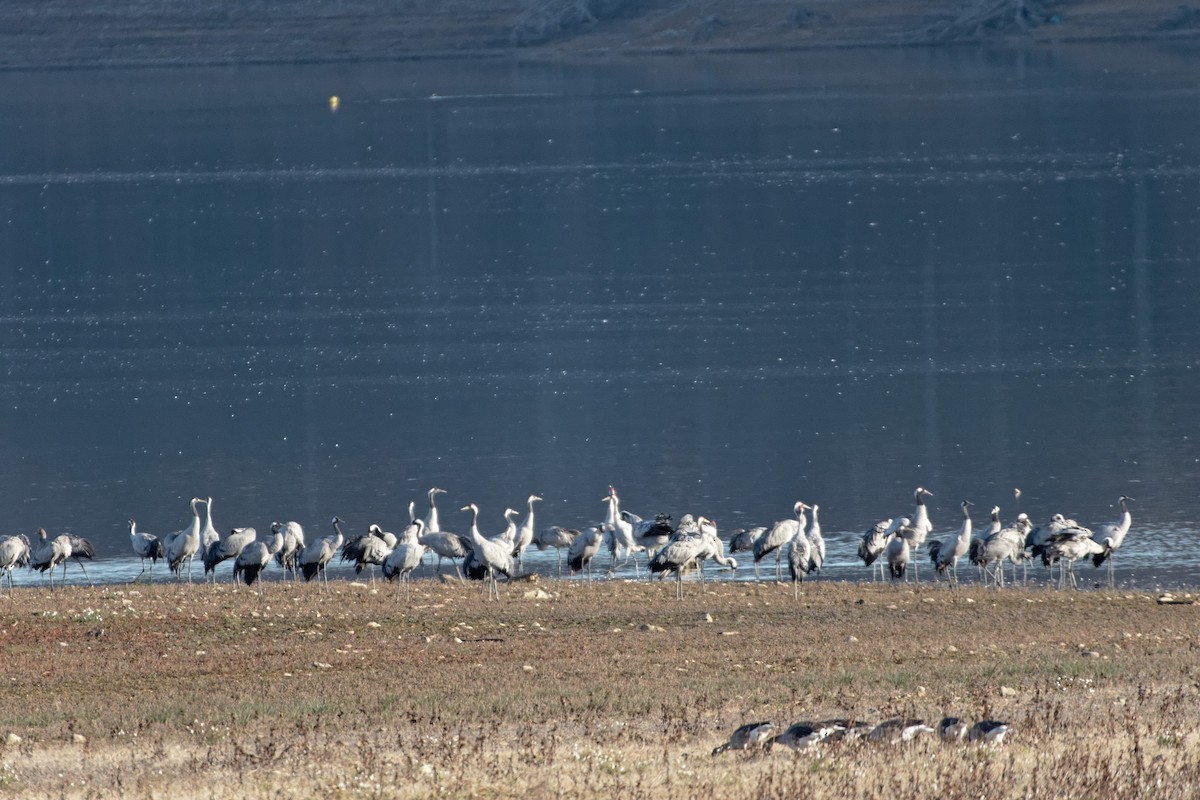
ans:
x=747 y=737
x=803 y=735
x=952 y=729
x=898 y=730
x=989 y=731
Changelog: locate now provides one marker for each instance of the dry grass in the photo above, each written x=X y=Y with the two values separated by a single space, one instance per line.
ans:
x=202 y=691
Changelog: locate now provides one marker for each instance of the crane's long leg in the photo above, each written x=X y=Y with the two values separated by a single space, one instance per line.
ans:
x=85 y=574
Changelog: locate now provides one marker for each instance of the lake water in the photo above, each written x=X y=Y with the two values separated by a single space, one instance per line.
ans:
x=720 y=284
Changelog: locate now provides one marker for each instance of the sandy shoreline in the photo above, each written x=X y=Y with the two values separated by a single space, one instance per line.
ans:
x=63 y=34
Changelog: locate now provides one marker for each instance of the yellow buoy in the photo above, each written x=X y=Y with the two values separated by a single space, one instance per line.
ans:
x=333 y=103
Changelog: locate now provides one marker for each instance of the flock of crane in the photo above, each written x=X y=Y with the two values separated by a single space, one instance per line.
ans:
x=667 y=547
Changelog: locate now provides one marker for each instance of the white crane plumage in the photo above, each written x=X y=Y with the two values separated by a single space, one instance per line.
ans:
x=583 y=549
x=183 y=545
x=750 y=736
x=921 y=526
x=46 y=554
x=432 y=524
x=945 y=553
x=800 y=559
x=897 y=551
x=405 y=556
x=1068 y=546
x=779 y=535
x=816 y=541
x=714 y=549
x=14 y=552
x=525 y=534
x=619 y=533
x=209 y=537
x=1113 y=532
x=288 y=555
x=493 y=556
x=1005 y=544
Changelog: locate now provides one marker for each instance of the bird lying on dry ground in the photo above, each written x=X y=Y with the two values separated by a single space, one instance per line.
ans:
x=807 y=734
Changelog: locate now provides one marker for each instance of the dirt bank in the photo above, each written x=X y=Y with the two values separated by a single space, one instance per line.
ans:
x=68 y=34
x=570 y=689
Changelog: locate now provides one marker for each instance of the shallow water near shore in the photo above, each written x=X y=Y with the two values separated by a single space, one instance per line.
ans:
x=720 y=284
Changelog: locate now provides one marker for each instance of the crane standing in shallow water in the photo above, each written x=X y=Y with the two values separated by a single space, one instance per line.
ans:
x=183 y=545
x=557 y=537
x=288 y=555
x=583 y=550
x=524 y=534
x=945 y=553
x=779 y=535
x=145 y=545
x=14 y=552
x=620 y=534
x=49 y=553
x=1113 y=532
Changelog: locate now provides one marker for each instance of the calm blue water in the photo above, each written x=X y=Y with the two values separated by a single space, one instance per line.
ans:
x=720 y=284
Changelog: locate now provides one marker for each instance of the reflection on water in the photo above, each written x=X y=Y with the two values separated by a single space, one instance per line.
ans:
x=720 y=284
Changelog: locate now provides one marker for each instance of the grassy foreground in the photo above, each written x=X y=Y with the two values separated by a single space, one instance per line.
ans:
x=612 y=689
